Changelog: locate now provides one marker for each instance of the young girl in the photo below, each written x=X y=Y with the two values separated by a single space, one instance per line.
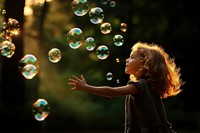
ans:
x=153 y=76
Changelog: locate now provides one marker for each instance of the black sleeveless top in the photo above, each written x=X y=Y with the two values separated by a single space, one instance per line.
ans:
x=144 y=112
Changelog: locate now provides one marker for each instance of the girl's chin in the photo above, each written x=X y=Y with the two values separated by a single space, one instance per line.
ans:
x=126 y=71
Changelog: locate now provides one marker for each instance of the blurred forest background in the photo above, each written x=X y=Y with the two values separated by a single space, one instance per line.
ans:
x=44 y=24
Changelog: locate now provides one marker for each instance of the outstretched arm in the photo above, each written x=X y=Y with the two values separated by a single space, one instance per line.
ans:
x=106 y=91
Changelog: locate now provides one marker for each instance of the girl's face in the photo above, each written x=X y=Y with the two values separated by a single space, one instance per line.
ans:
x=133 y=64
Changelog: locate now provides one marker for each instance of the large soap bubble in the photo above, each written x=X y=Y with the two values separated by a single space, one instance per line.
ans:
x=40 y=109
x=102 y=52
x=96 y=15
x=75 y=38
x=7 y=49
x=54 y=55
x=80 y=7
x=118 y=40
x=28 y=66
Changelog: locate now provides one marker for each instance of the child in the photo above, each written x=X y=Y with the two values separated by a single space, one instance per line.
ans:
x=153 y=77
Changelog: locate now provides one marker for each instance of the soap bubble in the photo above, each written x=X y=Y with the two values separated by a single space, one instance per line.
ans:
x=96 y=15
x=118 y=40
x=117 y=60
x=40 y=109
x=54 y=55
x=75 y=38
x=80 y=7
x=113 y=3
x=28 y=66
x=109 y=76
x=29 y=71
x=90 y=43
x=105 y=28
x=104 y=2
x=3 y=12
x=123 y=27
x=102 y=52
x=118 y=81
x=7 y=48
x=13 y=26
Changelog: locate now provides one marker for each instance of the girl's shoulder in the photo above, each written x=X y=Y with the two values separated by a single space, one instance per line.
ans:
x=141 y=87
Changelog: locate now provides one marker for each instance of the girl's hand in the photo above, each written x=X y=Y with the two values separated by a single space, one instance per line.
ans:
x=77 y=83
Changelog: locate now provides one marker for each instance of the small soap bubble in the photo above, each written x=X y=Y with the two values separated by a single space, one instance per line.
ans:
x=90 y=43
x=40 y=109
x=109 y=76
x=118 y=40
x=123 y=27
x=80 y=7
x=7 y=48
x=117 y=60
x=113 y=3
x=54 y=55
x=4 y=26
x=102 y=52
x=105 y=28
x=75 y=38
x=3 y=12
x=104 y=2
x=96 y=15
x=118 y=81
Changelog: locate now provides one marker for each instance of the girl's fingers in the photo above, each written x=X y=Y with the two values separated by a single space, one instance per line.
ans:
x=74 y=88
x=76 y=78
x=82 y=78
x=72 y=84
x=72 y=81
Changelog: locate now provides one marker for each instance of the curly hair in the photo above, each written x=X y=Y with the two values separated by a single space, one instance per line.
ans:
x=159 y=70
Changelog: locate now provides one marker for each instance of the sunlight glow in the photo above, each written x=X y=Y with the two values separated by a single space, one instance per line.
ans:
x=28 y=10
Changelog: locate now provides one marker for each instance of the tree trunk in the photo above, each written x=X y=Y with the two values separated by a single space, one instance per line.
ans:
x=13 y=88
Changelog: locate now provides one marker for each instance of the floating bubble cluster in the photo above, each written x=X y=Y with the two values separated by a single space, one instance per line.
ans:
x=28 y=66
x=96 y=16
x=10 y=28
x=54 y=55
x=40 y=109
